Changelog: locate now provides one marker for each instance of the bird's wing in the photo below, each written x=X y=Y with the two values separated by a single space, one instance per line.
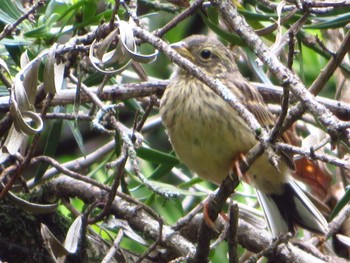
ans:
x=247 y=94
x=254 y=102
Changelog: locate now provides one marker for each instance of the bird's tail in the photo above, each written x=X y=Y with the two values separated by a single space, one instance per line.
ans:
x=284 y=212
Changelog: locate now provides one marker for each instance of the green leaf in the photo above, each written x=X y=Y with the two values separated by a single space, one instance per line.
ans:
x=169 y=209
x=106 y=15
x=150 y=199
x=167 y=190
x=338 y=22
x=303 y=37
x=68 y=10
x=191 y=182
x=335 y=11
x=134 y=105
x=155 y=156
x=9 y=12
x=50 y=136
x=15 y=53
x=257 y=69
x=257 y=16
x=99 y=172
x=44 y=30
x=77 y=135
x=89 y=10
x=16 y=41
x=160 y=171
x=213 y=15
x=341 y=204
x=230 y=37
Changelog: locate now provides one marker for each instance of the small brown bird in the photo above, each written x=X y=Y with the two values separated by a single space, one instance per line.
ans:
x=208 y=135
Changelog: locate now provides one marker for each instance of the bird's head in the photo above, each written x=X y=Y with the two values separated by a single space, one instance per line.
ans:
x=207 y=53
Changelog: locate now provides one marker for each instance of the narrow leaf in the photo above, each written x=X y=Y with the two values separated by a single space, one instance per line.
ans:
x=49 y=74
x=73 y=236
x=35 y=209
x=341 y=204
x=155 y=156
x=77 y=135
x=52 y=242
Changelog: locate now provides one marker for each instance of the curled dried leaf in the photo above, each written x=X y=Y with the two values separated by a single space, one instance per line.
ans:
x=53 y=73
x=125 y=33
x=344 y=239
x=22 y=99
x=52 y=243
x=23 y=96
x=73 y=236
x=14 y=141
x=116 y=60
x=103 y=47
x=35 y=209
x=114 y=224
x=49 y=74
x=28 y=122
x=3 y=64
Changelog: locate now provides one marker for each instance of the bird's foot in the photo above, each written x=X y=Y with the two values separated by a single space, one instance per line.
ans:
x=236 y=169
x=210 y=223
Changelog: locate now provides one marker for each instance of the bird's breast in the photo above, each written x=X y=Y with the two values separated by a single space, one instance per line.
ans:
x=205 y=131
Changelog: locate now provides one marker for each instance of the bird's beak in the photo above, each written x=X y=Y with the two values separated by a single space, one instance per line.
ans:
x=182 y=48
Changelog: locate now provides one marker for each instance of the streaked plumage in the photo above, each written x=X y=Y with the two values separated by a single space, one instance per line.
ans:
x=208 y=135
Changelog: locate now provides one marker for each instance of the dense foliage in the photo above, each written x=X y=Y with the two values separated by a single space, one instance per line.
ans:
x=86 y=167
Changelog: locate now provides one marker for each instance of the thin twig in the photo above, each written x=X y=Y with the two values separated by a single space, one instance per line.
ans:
x=313 y=155
x=232 y=234
x=174 y=22
x=114 y=248
x=64 y=170
x=270 y=249
x=270 y=93
x=155 y=244
x=273 y=6
x=331 y=66
x=119 y=172
x=10 y=28
x=338 y=220
x=273 y=27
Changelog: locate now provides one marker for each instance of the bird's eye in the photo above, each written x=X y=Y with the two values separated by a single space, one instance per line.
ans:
x=206 y=54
